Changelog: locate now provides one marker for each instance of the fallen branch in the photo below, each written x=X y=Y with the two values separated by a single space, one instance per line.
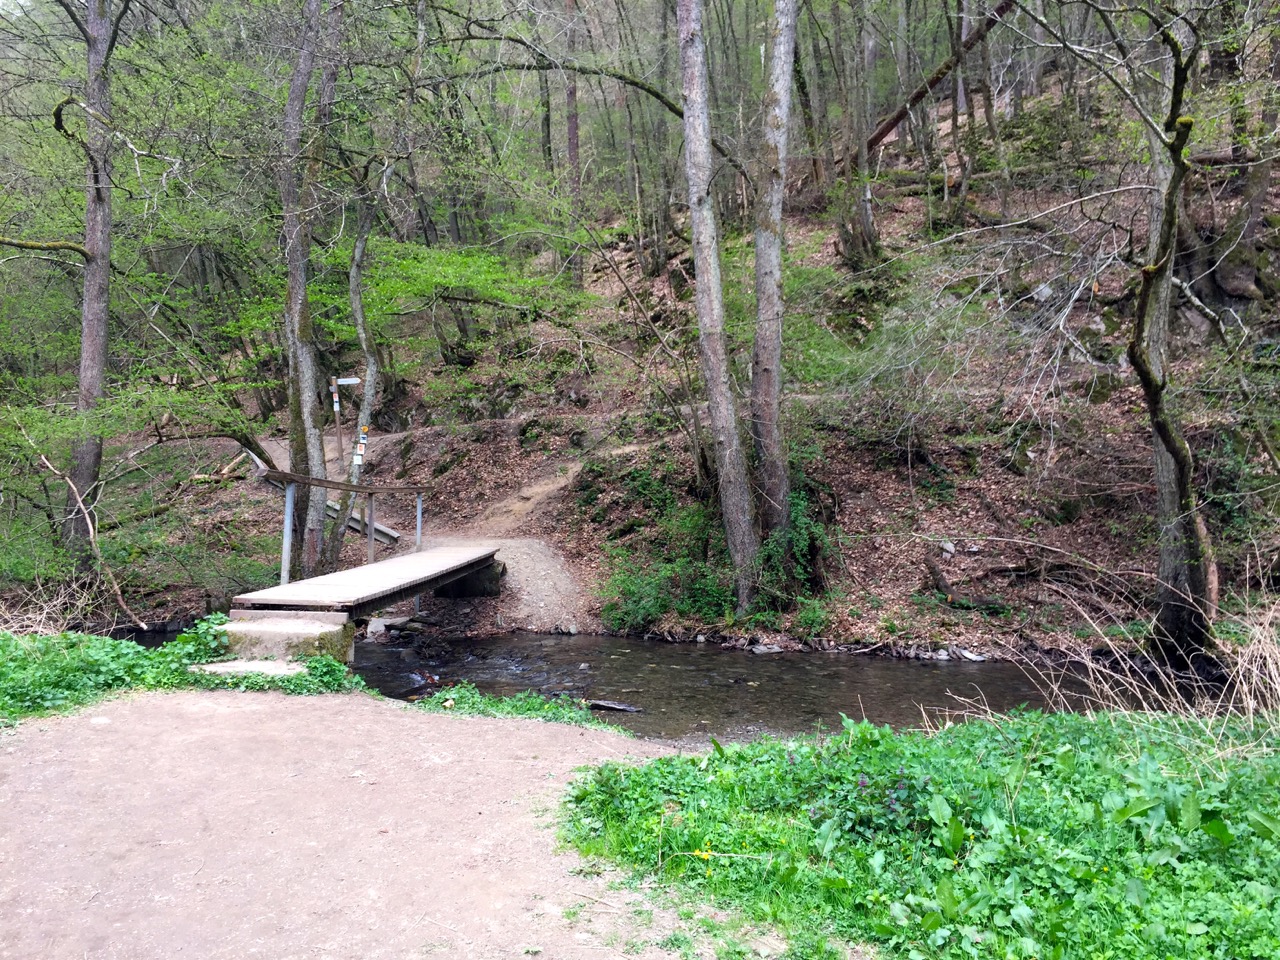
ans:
x=959 y=600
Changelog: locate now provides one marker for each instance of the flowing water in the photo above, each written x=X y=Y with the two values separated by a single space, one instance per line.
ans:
x=691 y=691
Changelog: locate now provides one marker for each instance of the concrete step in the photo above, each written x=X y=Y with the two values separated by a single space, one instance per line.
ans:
x=285 y=638
x=336 y=617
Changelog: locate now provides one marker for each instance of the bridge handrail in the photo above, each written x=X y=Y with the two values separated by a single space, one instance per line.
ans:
x=283 y=476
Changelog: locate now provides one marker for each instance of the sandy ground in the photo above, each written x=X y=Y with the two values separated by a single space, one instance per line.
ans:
x=211 y=825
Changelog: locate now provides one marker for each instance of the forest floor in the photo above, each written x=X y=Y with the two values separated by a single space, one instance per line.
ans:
x=217 y=824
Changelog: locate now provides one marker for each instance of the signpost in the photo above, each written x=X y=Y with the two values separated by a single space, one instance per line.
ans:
x=334 y=384
x=358 y=458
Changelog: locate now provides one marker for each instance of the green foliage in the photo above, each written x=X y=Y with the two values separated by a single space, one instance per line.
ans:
x=790 y=561
x=48 y=674
x=464 y=698
x=1028 y=836
x=692 y=589
x=811 y=618
x=682 y=568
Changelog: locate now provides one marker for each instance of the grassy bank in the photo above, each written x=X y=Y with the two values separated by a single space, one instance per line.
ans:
x=47 y=674
x=1035 y=836
x=465 y=699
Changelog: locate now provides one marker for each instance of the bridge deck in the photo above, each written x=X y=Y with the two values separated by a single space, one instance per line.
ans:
x=374 y=585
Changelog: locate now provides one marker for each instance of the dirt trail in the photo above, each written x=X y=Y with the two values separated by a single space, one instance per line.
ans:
x=541 y=592
x=217 y=825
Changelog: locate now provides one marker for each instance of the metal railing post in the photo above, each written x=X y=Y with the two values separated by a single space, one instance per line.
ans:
x=286 y=549
x=417 y=546
x=370 y=528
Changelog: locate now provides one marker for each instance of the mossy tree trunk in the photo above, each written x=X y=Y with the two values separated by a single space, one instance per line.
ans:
x=1187 y=576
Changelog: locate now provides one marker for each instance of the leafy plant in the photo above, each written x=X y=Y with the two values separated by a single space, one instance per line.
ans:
x=464 y=698
x=45 y=674
x=1026 y=836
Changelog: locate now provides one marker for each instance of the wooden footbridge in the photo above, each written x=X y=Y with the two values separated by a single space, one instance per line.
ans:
x=315 y=615
x=363 y=590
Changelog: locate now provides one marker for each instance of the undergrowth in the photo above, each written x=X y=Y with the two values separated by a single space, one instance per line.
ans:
x=1036 y=836
x=464 y=698
x=682 y=569
x=47 y=674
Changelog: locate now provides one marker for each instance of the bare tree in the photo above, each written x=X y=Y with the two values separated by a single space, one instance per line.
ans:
x=1151 y=72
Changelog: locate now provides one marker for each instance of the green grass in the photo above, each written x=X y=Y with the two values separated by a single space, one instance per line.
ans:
x=49 y=674
x=464 y=698
x=1037 y=836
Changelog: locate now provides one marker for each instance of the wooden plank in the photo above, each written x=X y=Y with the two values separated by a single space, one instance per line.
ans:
x=359 y=586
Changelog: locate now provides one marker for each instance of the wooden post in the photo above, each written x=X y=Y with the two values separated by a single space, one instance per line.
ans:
x=286 y=549
x=369 y=526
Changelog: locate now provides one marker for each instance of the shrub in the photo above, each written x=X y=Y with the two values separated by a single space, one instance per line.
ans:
x=464 y=698
x=692 y=589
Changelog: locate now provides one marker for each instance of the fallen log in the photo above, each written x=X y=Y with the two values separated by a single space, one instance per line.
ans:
x=962 y=601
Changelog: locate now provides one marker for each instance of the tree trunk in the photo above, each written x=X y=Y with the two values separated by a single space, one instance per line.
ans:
x=572 y=154
x=856 y=227
x=306 y=439
x=355 y=296
x=544 y=98
x=97 y=29
x=890 y=123
x=1187 y=576
x=766 y=357
x=731 y=463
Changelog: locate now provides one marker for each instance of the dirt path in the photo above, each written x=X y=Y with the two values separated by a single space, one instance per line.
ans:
x=219 y=825
x=542 y=593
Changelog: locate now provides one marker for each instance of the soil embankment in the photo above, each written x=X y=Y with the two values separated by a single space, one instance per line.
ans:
x=228 y=825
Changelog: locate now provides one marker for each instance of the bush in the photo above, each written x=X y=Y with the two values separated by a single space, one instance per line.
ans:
x=791 y=560
x=1029 y=836
x=692 y=589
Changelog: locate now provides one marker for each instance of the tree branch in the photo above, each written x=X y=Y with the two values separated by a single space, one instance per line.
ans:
x=75 y=19
x=115 y=27
x=45 y=246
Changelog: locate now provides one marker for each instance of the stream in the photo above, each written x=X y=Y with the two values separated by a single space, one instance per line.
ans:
x=688 y=692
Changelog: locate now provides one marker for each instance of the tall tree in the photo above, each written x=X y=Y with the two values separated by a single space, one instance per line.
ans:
x=730 y=458
x=98 y=23
x=766 y=356
x=306 y=441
